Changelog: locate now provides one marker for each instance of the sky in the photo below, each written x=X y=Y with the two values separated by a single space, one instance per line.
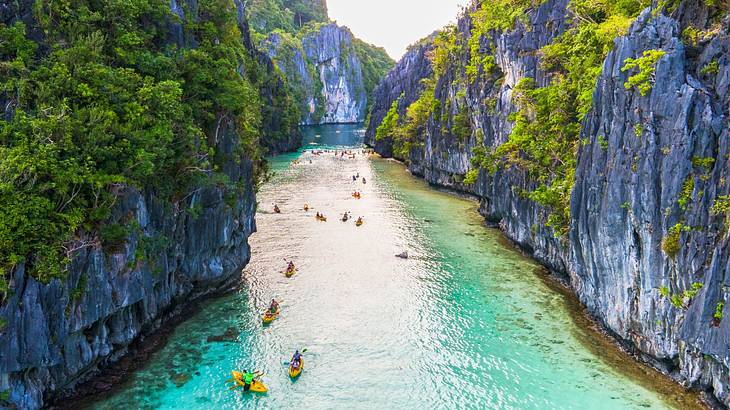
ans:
x=394 y=24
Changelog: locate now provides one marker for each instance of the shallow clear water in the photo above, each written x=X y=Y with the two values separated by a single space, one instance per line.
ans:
x=465 y=322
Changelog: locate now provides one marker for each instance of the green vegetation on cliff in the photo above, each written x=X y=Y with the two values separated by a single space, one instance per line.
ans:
x=545 y=136
x=281 y=27
x=109 y=104
x=289 y=16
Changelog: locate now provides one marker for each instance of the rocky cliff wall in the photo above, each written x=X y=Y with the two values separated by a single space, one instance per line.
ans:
x=651 y=174
x=402 y=84
x=324 y=70
x=443 y=158
x=654 y=182
x=58 y=334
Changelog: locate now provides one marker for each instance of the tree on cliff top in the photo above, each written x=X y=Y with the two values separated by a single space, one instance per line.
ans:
x=111 y=104
x=290 y=16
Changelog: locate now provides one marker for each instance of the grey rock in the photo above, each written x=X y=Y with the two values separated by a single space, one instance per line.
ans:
x=626 y=197
x=327 y=71
x=59 y=334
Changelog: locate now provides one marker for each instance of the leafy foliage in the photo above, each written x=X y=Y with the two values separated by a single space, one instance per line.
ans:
x=389 y=125
x=671 y=243
x=713 y=67
x=289 y=16
x=644 y=79
x=682 y=300
x=718 y=311
x=110 y=106
x=721 y=205
x=545 y=136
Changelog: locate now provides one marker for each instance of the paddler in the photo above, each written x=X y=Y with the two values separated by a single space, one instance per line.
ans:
x=296 y=360
x=274 y=307
x=248 y=379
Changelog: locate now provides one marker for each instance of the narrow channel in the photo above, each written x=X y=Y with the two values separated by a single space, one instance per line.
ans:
x=465 y=322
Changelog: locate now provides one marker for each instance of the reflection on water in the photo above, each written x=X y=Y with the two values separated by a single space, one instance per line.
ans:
x=464 y=322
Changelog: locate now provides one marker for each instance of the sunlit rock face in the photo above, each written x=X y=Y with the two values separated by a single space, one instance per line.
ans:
x=325 y=72
x=626 y=198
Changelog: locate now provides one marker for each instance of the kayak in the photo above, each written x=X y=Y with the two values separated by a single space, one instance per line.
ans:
x=256 y=386
x=290 y=273
x=358 y=223
x=269 y=317
x=295 y=372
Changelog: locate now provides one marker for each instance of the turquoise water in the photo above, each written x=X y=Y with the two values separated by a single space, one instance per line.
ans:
x=465 y=323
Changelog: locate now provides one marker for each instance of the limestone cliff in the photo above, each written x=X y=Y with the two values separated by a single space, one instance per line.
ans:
x=330 y=72
x=646 y=244
x=57 y=334
x=325 y=72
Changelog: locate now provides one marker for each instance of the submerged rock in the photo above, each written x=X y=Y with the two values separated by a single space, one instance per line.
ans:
x=230 y=335
x=180 y=379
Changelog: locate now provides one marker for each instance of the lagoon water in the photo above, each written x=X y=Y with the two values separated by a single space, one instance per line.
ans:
x=465 y=323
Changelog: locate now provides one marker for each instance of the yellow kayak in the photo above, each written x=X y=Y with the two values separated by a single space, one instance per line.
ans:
x=290 y=272
x=358 y=223
x=256 y=386
x=269 y=317
x=295 y=372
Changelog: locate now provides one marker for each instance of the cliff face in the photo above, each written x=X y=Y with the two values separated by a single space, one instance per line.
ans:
x=402 y=84
x=57 y=334
x=651 y=172
x=443 y=158
x=326 y=73
x=663 y=168
x=280 y=119
x=330 y=72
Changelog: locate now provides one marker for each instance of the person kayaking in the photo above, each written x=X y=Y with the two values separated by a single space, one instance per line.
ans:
x=274 y=307
x=359 y=221
x=248 y=379
x=354 y=178
x=276 y=209
x=291 y=267
x=296 y=360
x=345 y=217
x=363 y=180
x=306 y=207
